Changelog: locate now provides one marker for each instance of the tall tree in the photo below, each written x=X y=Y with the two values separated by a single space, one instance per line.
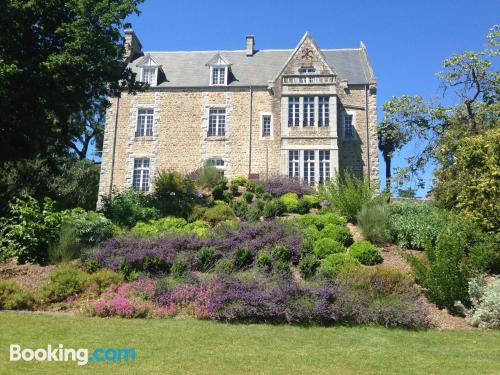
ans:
x=57 y=58
x=90 y=125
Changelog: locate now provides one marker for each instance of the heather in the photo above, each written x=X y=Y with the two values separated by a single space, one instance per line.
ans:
x=280 y=185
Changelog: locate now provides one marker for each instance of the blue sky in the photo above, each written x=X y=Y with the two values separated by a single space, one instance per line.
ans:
x=406 y=40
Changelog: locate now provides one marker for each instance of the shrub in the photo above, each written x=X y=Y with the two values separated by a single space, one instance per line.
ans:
x=308 y=265
x=282 y=269
x=64 y=281
x=240 y=208
x=264 y=261
x=155 y=227
x=234 y=189
x=485 y=303
x=338 y=233
x=218 y=190
x=224 y=266
x=346 y=194
x=281 y=253
x=179 y=268
x=14 y=297
x=218 y=213
x=227 y=196
x=373 y=220
x=334 y=263
x=327 y=246
x=302 y=206
x=173 y=193
x=321 y=220
x=239 y=181
x=128 y=207
x=248 y=197
x=484 y=254
x=254 y=213
x=66 y=248
x=242 y=258
x=104 y=278
x=365 y=253
x=291 y=201
x=30 y=229
x=412 y=224
x=205 y=258
x=273 y=208
x=312 y=232
x=280 y=185
x=208 y=176
x=312 y=200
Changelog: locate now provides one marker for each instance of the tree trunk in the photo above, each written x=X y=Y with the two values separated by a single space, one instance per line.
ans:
x=387 y=160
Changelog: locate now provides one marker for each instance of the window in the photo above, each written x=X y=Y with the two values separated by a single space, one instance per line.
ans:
x=217 y=122
x=308 y=111
x=323 y=111
x=144 y=123
x=218 y=76
x=266 y=125
x=140 y=180
x=217 y=163
x=293 y=111
x=324 y=166
x=348 y=128
x=149 y=76
x=293 y=163
x=309 y=167
x=307 y=70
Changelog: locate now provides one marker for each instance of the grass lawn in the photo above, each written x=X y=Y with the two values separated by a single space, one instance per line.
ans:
x=204 y=347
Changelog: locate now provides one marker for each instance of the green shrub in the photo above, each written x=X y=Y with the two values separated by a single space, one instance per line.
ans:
x=14 y=297
x=312 y=200
x=240 y=208
x=373 y=219
x=65 y=248
x=218 y=191
x=163 y=225
x=224 y=266
x=209 y=176
x=234 y=189
x=291 y=201
x=365 y=253
x=128 y=270
x=179 y=268
x=205 y=258
x=321 y=220
x=264 y=261
x=485 y=297
x=335 y=263
x=484 y=254
x=303 y=206
x=30 y=229
x=200 y=227
x=346 y=194
x=248 y=197
x=64 y=281
x=412 y=224
x=312 y=232
x=265 y=196
x=128 y=207
x=227 y=196
x=327 y=246
x=254 y=213
x=197 y=213
x=338 y=233
x=239 y=181
x=308 y=266
x=282 y=269
x=154 y=264
x=218 y=213
x=104 y=278
x=281 y=253
x=273 y=208
x=242 y=258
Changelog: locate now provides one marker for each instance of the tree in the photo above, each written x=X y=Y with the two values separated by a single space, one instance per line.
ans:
x=57 y=58
x=91 y=125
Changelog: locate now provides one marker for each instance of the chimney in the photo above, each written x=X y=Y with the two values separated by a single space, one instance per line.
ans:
x=250 y=45
x=132 y=45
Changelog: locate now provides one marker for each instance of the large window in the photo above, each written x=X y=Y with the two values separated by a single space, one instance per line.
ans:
x=293 y=111
x=144 y=122
x=324 y=166
x=149 y=76
x=217 y=122
x=140 y=180
x=218 y=76
x=308 y=111
x=266 y=125
x=323 y=111
x=348 y=126
x=293 y=164
x=309 y=166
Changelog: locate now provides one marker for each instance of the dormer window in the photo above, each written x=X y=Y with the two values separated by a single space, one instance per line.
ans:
x=149 y=76
x=307 y=70
x=149 y=70
x=219 y=76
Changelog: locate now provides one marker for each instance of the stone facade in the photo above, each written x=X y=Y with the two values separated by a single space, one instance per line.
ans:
x=180 y=139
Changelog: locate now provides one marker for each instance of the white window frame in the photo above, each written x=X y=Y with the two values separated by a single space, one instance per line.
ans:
x=215 y=68
x=293 y=163
x=310 y=177
x=271 y=126
x=141 y=174
x=324 y=111
x=220 y=126
x=216 y=162
x=294 y=119
x=307 y=70
x=154 y=76
x=353 y=125
x=325 y=166
x=145 y=129
x=308 y=111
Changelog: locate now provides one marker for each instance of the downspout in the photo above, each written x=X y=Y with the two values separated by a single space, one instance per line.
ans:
x=114 y=146
x=367 y=135
x=250 y=134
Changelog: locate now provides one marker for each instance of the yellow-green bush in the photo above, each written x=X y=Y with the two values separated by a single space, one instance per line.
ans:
x=14 y=297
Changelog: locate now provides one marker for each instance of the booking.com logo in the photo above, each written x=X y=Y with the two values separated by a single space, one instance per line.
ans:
x=61 y=354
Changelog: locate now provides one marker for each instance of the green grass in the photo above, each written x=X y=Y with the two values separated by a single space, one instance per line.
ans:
x=204 y=347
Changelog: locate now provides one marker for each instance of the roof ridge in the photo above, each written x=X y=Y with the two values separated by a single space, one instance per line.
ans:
x=260 y=50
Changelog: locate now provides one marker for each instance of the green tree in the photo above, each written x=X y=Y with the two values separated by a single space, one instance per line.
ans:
x=57 y=58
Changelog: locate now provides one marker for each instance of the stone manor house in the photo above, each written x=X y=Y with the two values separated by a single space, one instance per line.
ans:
x=305 y=113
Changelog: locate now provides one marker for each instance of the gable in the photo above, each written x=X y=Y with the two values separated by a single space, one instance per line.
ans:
x=148 y=61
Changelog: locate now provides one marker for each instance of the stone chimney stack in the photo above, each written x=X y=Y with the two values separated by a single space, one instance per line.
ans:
x=250 y=45
x=132 y=45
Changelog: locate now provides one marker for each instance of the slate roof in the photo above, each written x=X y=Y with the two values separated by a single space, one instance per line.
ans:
x=189 y=69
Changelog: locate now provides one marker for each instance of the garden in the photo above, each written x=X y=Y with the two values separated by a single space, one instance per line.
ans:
x=275 y=251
